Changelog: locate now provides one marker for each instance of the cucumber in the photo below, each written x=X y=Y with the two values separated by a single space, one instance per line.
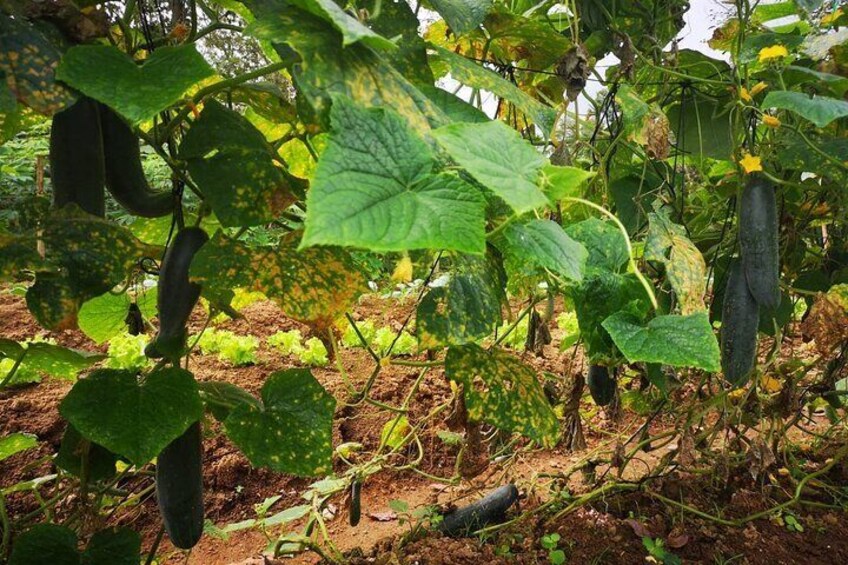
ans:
x=601 y=384
x=177 y=296
x=179 y=488
x=76 y=158
x=740 y=318
x=490 y=509
x=355 y=502
x=758 y=239
x=124 y=174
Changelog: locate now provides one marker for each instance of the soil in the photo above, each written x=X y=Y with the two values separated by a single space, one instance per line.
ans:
x=609 y=529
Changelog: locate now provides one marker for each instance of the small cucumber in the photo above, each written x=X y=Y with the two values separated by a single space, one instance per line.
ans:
x=601 y=384
x=179 y=487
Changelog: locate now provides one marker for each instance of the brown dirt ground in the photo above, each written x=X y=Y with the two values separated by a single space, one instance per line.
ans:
x=601 y=532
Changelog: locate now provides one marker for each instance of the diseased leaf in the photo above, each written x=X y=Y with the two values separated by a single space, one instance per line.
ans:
x=314 y=286
x=472 y=74
x=292 y=431
x=502 y=391
x=88 y=256
x=679 y=341
x=328 y=69
x=374 y=188
x=28 y=64
x=15 y=443
x=233 y=165
x=668 y=244
x=819 y=109
x=132 y=417
x=462 y=15
x=467 y=308
x=604 y=242
x=537 y=245
x=138 y=92
x=497 y=157
x=397 y=21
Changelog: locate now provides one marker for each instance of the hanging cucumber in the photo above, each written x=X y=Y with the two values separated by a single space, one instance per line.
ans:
x=179 y=488
x=739 y=320
x=76 y=158
x=124 y=174
x=601 y=384
x=758 y=232
x=177 y=296
x=355 y=502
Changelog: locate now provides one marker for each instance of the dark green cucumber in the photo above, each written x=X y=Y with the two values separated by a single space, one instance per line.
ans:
x=491 y=509
x=179 y=488
x=77 y=167
x=739 y=321
x=355 y=502
x=758 y=233
x=177 y=296
x=601 y=384
x=124 y=174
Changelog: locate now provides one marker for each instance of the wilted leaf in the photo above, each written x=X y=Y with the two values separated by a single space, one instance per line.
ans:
x=668 y=244
x=314 y=286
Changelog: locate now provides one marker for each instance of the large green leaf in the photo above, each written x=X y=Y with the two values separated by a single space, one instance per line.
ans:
x=501 y=390
x=292 y=431
x=704 y=129
x=602 y=294
x=104 y=316
x=685 y=267
x=604 y=242
x=374 y=188
x=234 y=167
x=679 y=341
x=462 y=15
x=467 y=308
x=498 y=158
x=559 y=182
x=28 y=64
x=537 y=245
x=138 y=92
x=131 y=416
x=15 y=443
x=819 y=109
x=472 y=74
x=88 y=256
x=51 y=544
x=328 y=69
x=314 y=285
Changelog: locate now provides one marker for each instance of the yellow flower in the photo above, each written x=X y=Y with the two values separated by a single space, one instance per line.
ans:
x=828 y=19
x=770 y=384
x=745 y=95
x=759 y=87
x=773 y=52
x=751 y=164
x=771 y=121
x=403 y=270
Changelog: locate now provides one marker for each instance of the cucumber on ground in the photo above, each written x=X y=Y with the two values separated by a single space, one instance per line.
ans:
x=76 y=158
x=177 y=296
x=601 y=384
x=739 y=321
x=179 y=488
x=490 y=509
x=758 y=239
x=124 y=174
